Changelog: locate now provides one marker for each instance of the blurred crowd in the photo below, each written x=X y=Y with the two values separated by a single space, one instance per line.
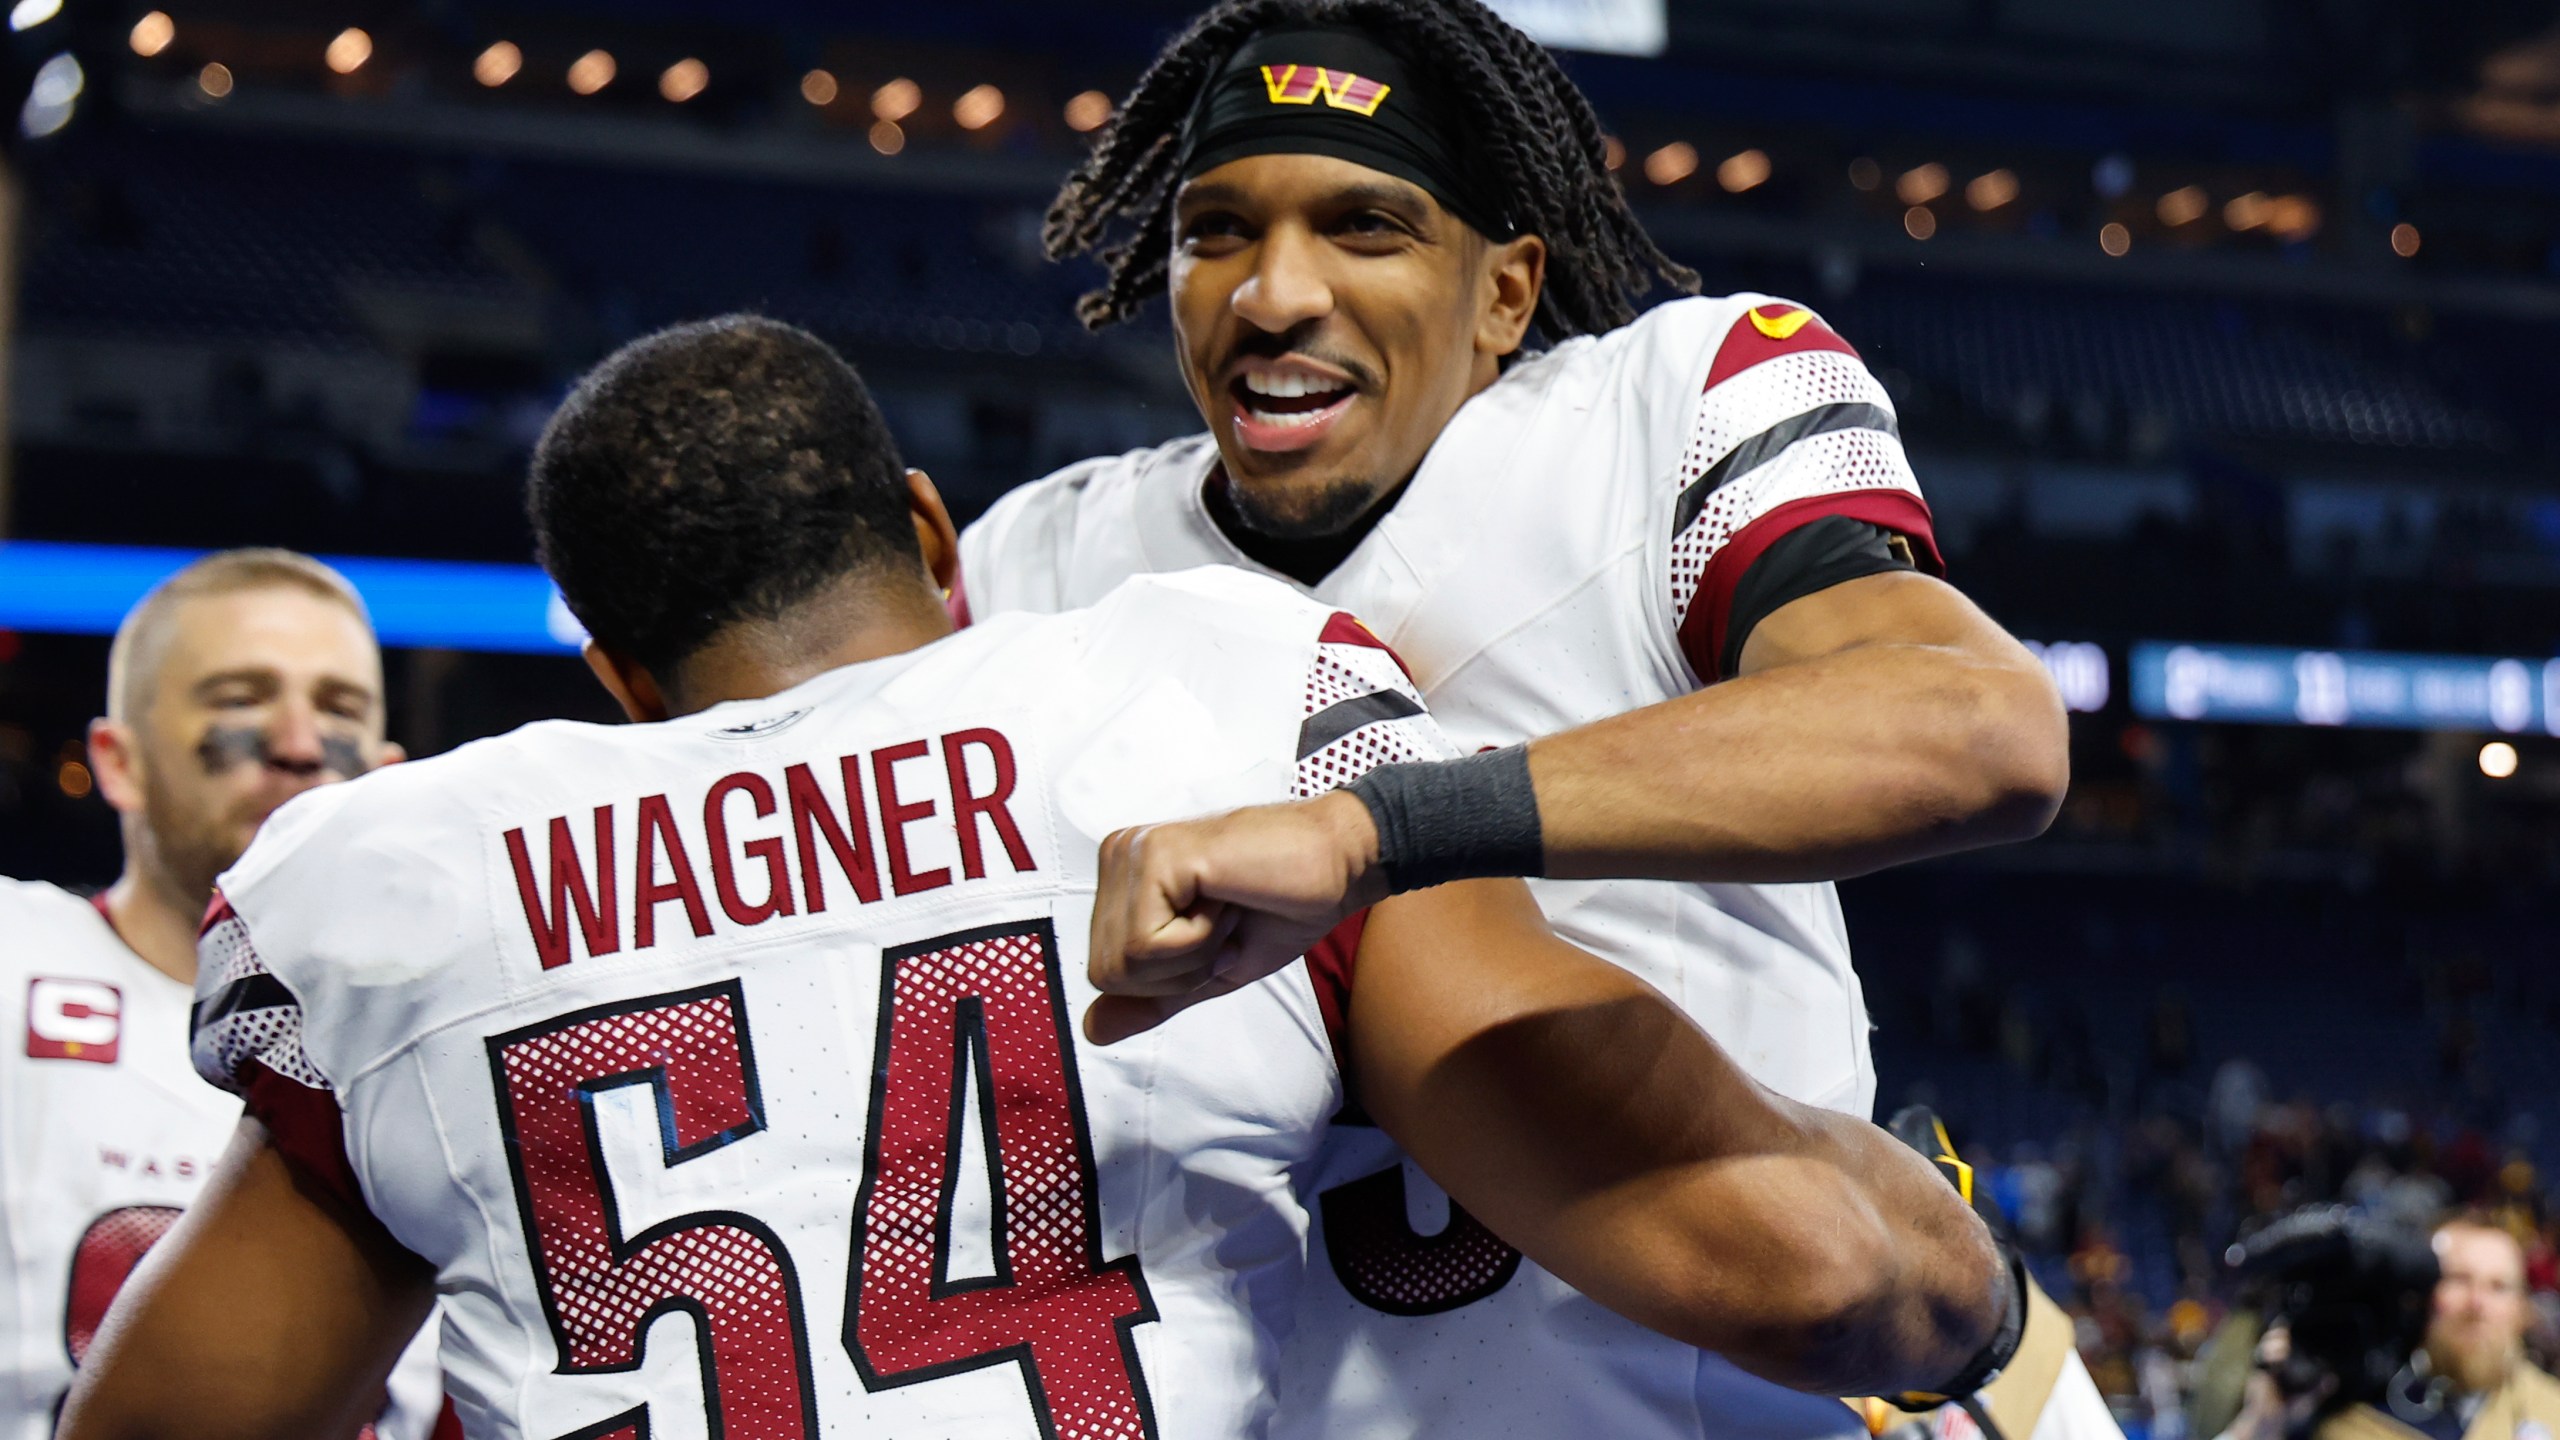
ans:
x=2202 y=1176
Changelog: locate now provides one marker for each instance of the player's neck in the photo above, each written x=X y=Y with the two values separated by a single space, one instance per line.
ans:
x=154 y=920
x=855 y=621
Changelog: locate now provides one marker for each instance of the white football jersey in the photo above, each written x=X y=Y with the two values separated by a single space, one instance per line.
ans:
x=1570 y=549
x=106 y=1134
x=728 y=1069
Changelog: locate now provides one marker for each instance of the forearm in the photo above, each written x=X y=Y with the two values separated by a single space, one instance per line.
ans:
x=259 y=1317
x=1817 y=770
x=1585 y=1119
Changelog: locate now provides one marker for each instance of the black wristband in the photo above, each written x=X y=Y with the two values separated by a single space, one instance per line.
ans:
x=1995 y=1357
x=1468 y=819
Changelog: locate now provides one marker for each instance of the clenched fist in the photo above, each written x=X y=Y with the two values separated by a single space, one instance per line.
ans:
x=1189 y=911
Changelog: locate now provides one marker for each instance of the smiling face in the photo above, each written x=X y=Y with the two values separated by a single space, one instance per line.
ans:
x=1330 y=320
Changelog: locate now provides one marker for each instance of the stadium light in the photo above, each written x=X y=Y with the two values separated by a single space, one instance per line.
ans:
x=152 y=34
x=2184 y=205
x=28 y=14
x=214 y=80
x=1088 y=112
x=2114 y=238
x=978 y=108
x=55 y=94
x=818 y=87
x=2404 y=240
x=1919 y=222
x=2293 y=217
x=683 y=80
x=498 y=64
x=887 y=138
x=896 y=101
x=1672 y=163
x=2246 y=212
x=1747 y=170
x=591 y=72
x=1991 y=189
x=1921 y=184
x=2498 y=760
x=1865 y=173
x=349 y=50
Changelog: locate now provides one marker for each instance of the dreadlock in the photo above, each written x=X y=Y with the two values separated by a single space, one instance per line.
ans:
x=1537 y=130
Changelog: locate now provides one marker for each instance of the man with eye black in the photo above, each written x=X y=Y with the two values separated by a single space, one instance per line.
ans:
x=244 y=680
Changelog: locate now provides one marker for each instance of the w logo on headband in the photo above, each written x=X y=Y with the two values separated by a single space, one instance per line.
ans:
x=1301 y=84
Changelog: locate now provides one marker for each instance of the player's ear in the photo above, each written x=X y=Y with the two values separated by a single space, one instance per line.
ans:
x=628 y=682
x=1516 y=275
x=936 y=536
x=115 y=758
x=392 y=752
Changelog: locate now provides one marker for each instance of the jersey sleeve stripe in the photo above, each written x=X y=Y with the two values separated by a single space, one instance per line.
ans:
x=1335 y=721
x=1765 y=332
x=306 y=1127
x=1702 y=634
x=253 y=992
x=1342 y=628
x=1330 y=963
x=1766 y=446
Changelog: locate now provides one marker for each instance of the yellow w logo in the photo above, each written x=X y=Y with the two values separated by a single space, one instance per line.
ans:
x=1301 y=84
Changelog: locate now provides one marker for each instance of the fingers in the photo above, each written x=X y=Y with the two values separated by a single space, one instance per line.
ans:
x=1111 y=1019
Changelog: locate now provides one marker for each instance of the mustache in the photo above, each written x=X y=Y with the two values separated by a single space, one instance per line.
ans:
x=228 y=747
x=1292 y=342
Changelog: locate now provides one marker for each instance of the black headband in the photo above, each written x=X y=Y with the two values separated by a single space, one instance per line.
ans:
x=1327 y=90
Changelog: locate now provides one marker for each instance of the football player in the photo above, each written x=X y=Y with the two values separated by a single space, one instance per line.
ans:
x=1681 y=555
x=244 y=680
x=722 y=1071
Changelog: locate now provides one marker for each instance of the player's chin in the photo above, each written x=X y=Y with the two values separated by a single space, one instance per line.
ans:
x=1309 y=503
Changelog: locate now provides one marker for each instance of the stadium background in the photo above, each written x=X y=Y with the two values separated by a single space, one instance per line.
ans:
x=2226 y=337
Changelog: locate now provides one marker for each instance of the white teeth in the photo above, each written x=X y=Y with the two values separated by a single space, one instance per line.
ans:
x=1291 y=387
x=1287 y=421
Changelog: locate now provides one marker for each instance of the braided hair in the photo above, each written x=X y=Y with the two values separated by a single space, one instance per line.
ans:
x=1535 y=129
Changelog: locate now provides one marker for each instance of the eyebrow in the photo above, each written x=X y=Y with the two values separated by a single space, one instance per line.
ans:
x=332 y=685
x=1391 y=194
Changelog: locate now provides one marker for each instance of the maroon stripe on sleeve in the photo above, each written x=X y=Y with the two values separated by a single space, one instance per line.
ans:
x=306 y=1127
x=1330 y=962
x=215 y=912
x=1765 y=332
x=1342 y=628
x=1702 y=634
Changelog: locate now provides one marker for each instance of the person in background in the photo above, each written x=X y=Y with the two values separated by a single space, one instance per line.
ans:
x=2470 y=1379
x=244 y=680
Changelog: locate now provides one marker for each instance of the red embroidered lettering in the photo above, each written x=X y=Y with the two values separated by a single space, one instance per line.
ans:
x=597 y=917
x=896 y=817
x=724 y=872
x=658 y=833
x=811 y=815
x=966 y=808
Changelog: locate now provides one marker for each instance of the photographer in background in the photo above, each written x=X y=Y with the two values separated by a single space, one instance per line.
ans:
x=2337 y=1362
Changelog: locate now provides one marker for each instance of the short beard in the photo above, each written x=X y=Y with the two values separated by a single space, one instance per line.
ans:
x=1294 y=513
x=2474 y=1370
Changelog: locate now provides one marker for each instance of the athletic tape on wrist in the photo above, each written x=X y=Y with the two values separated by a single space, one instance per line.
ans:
x=1455 y=820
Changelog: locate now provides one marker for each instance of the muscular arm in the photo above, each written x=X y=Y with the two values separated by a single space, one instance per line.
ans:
x=271 y=1312
x=1587 y=1121
x=1882 y=720
x=1575 y=1110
